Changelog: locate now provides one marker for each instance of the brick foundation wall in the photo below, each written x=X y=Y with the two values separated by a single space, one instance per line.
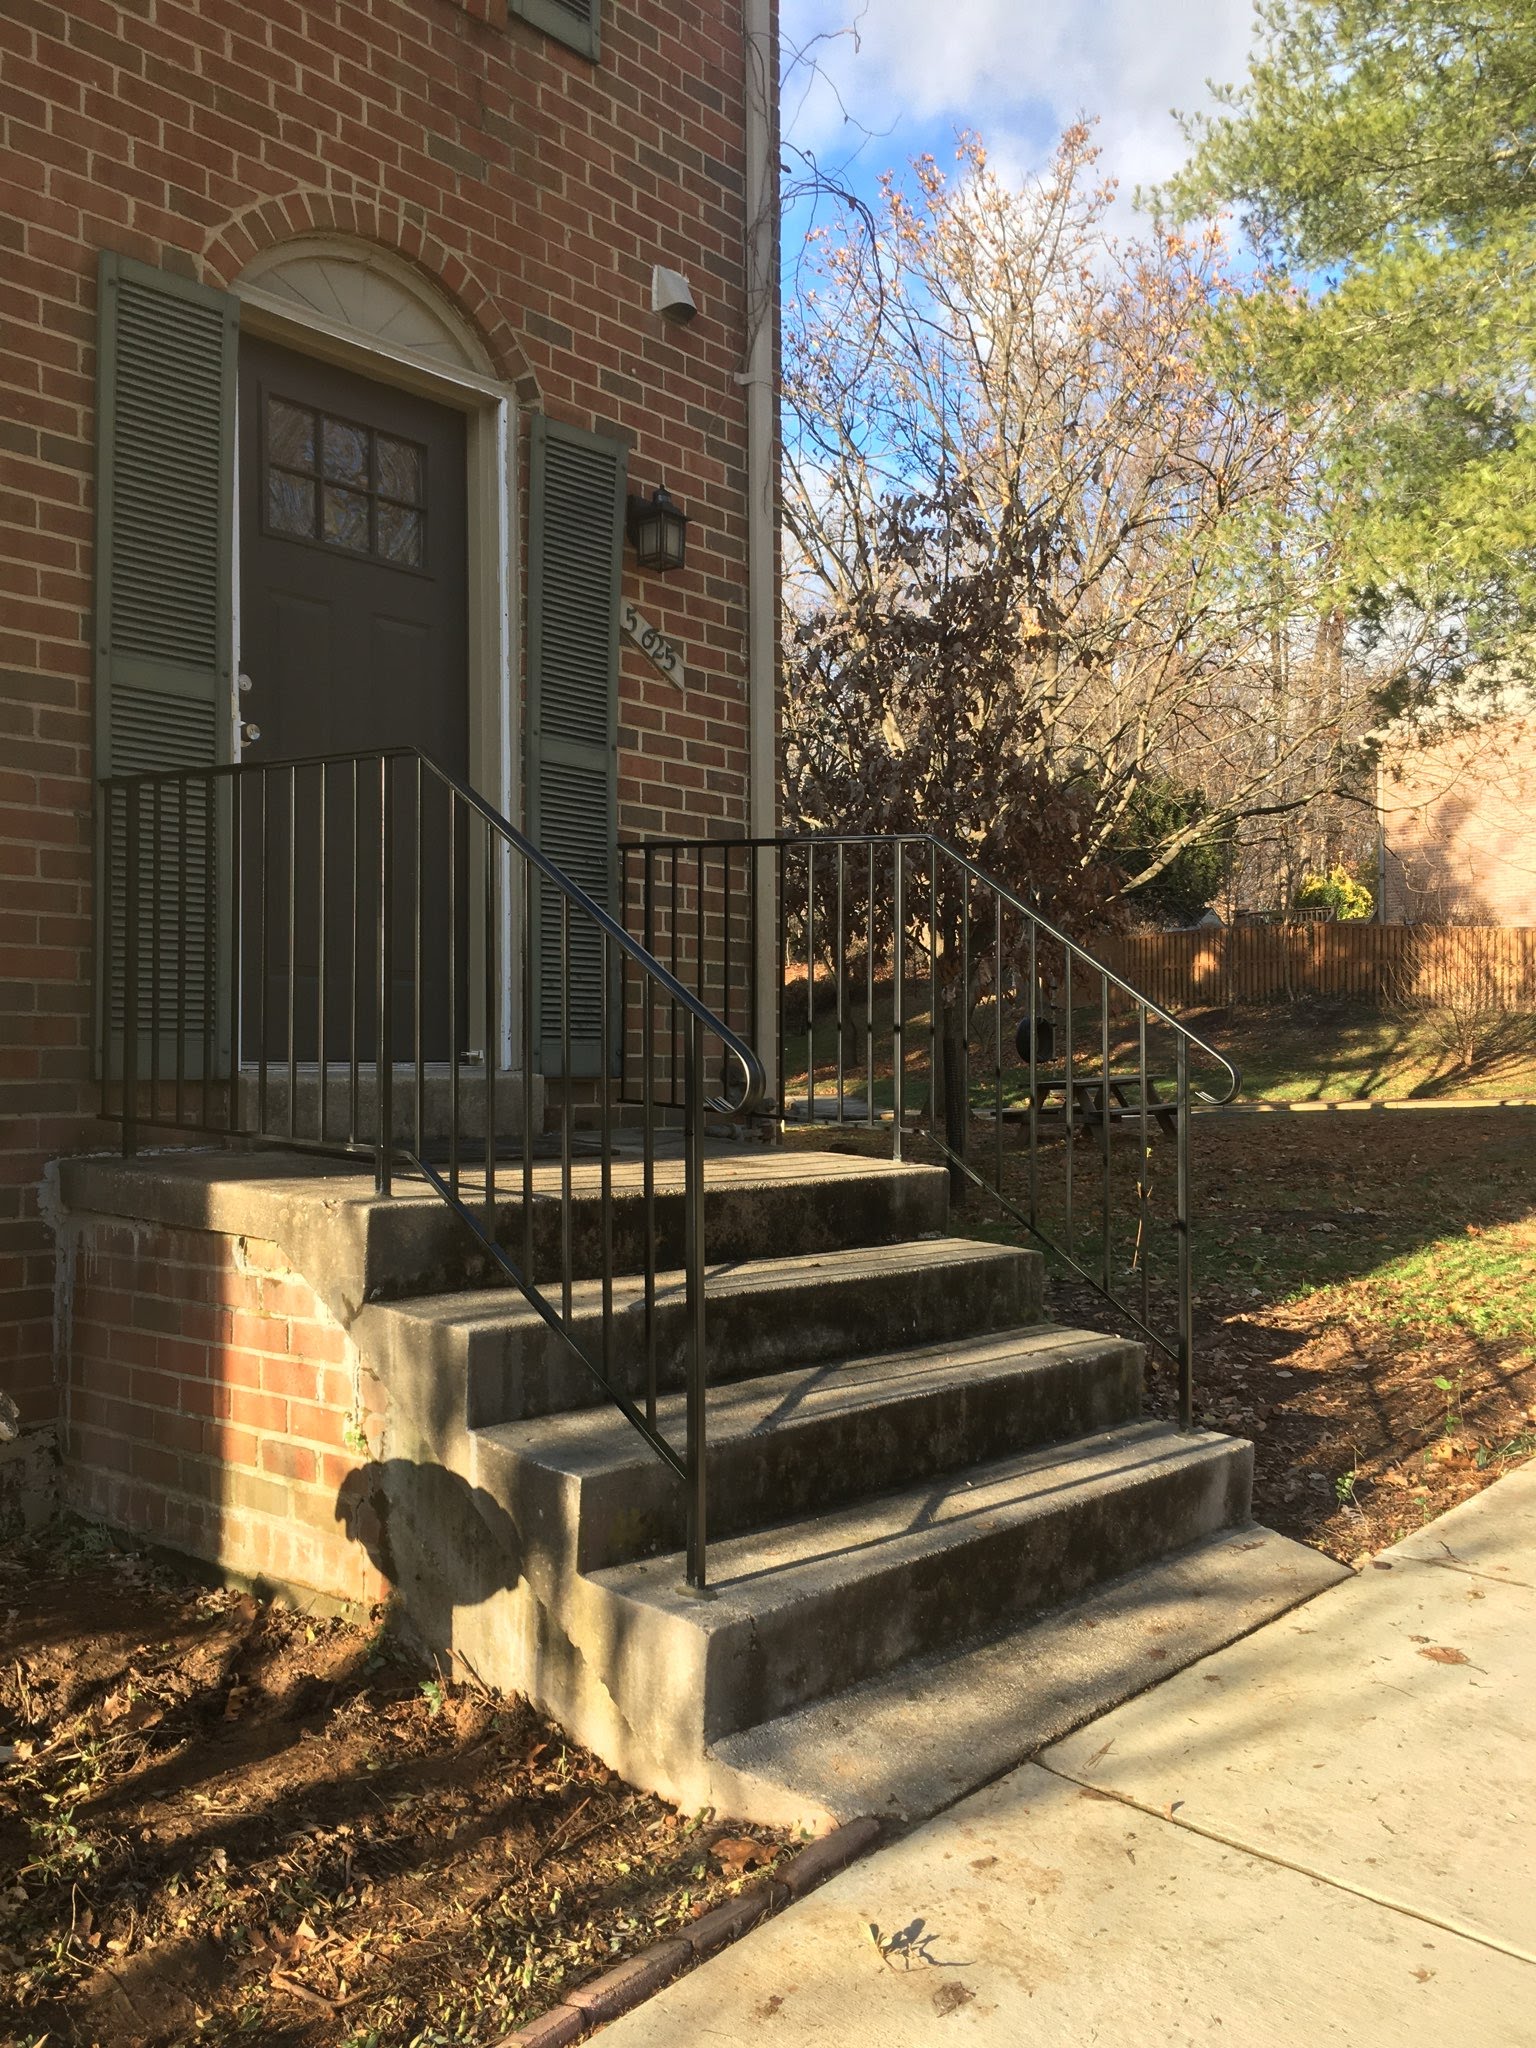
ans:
x=211 y=1403
x=535 y=190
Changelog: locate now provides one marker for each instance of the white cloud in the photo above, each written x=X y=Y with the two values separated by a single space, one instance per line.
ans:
x=1017 y=70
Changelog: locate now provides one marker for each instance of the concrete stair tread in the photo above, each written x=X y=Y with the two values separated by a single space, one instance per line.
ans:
x=912 y=1741
x=587 y=1442
x=822 y=1554
x=505 y=1306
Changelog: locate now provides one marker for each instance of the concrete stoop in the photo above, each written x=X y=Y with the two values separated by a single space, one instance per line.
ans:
x=941 y=1531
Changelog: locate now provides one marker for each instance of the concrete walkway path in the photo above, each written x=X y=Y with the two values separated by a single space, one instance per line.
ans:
x=1325 y=1833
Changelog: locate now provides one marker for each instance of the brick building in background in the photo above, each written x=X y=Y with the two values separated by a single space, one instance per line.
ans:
x=335 y=345
x=1458 y=828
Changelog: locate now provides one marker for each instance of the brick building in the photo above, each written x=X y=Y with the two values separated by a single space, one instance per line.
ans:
x=1458 y=827
x=335 y=347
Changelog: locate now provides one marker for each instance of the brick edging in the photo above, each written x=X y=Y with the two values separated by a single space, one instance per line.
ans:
x=628 y=1983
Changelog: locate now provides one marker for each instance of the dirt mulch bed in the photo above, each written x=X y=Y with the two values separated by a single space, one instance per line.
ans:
x=1366 y=1313
x=222 y=1820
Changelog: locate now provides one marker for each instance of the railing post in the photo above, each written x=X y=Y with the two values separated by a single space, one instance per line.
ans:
x=1186 y=1275
x=693 y=1263
x=384 y=1094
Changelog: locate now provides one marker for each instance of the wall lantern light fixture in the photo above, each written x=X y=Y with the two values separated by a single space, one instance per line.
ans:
x=659 y=530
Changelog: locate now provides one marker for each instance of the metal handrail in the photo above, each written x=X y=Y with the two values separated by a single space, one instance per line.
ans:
x=1088 y=1095
x=364 y=828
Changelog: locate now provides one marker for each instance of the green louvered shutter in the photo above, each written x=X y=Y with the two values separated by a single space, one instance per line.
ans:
x=576 y=512
x=576 y=22
x=164 y=642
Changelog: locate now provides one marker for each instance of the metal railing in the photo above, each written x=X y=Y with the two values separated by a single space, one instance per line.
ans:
x=920 y=997
x=355 y=954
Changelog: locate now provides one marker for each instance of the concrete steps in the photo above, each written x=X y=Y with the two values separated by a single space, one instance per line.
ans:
x=912 y=1741
x=796 y=1443
x=762 y=1315
x=812 y=1606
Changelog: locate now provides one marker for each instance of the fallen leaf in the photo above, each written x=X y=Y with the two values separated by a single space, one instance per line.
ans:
x=1439 y=1653
x=737 y=1853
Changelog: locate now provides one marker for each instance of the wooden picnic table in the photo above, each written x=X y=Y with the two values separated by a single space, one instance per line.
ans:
x=1088 y=1099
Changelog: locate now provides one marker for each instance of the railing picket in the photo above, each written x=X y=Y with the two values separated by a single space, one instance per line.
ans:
x=898 y=998
x=810 y=985
x=565 y=1110
x=1186 y=1291
x=1105 y=1132
x=529 y=1243
x=839 y=969
x=693 y=1232
x=419 y=1125
x=1144 y=1174
x=293 y=952
x=605 y=1158
x=183 y=792
x=320 y=953
x=454 y=1050
x=264 y=960
x=384 y=1095
x=488 y=1023
x=156 y=887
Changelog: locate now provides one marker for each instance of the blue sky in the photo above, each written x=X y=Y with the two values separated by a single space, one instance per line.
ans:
x=1016 y=70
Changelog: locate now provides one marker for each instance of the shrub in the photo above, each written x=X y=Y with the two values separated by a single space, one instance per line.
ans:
x=1339 y=891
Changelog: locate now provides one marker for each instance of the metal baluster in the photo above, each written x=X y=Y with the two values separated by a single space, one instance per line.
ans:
x=997 y=1041
x=648 y=1126
x=725 y=962
x=674 y=1045
x=1144 y=1177
x=451 y=804
x=898 y=994
x=839 y=967
x=383 y=1158
x=264 y=956
x=605 y=1157
x=354 y=993
x=1071 y=1234
x=782 y=968
x=624 y=914
x=1186 y=1276
x=108 y=802
x=565 y=1108
x=527 y=996
x=869 y=995
x=934 y=1083
x=417 y=1020
x=293 y=951
x=488 y=1024
x=131 y=976
x=236 y=943
x=320 y=914
x=693 y=1232
x=810 y=985
x=1104 y=1140
x=965 y=1008
x=1034 y=1068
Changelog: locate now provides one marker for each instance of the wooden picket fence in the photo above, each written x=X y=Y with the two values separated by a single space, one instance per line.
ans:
x=1491 y=966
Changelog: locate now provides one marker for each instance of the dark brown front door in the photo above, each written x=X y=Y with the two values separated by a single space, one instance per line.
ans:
x=353 y=634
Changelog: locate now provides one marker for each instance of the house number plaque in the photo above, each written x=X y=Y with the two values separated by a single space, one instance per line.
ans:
x=656 y=647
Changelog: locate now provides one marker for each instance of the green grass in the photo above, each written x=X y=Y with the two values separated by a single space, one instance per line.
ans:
x=1313 y=1051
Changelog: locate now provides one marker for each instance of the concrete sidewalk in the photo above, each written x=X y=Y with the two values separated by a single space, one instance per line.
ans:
x=1325 y=1833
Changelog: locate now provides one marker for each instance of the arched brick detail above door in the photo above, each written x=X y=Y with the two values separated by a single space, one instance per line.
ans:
x=361 y=231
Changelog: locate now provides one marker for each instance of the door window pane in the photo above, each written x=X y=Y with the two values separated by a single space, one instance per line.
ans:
x=346 y=453
x=400 y=534
x=399 y=470
x=345 y=519
x=290 y=503
x=290 y=434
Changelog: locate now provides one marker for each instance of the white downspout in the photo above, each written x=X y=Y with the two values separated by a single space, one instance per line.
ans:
x=762 y=236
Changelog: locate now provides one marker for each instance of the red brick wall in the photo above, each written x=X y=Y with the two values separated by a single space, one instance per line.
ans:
x=211 y=1403
x=533 y=188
